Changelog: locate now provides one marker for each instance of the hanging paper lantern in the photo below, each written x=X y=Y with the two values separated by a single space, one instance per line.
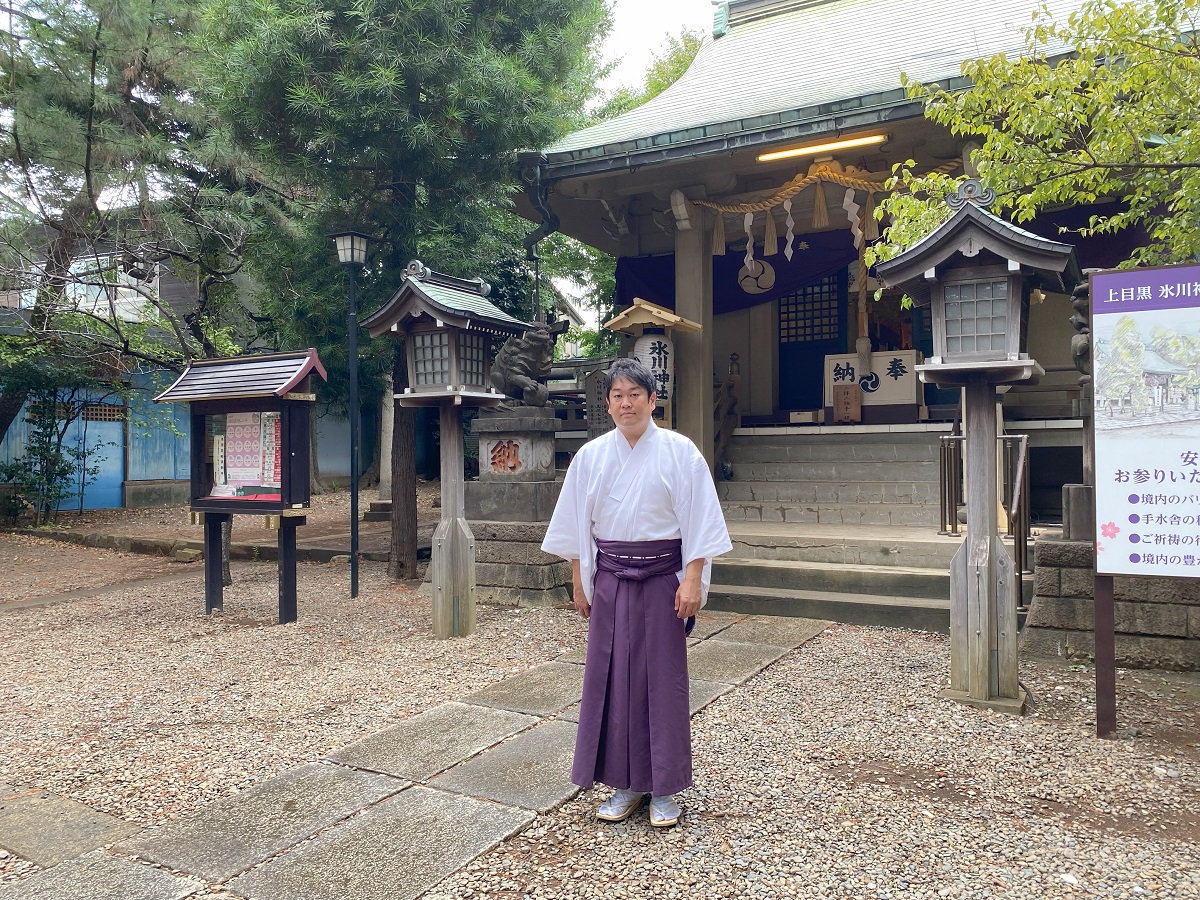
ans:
x=655 y=350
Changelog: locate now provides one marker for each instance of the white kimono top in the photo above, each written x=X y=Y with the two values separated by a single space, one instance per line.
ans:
x=659 y=489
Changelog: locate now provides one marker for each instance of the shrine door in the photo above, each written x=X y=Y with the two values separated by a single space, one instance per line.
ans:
x=812 y=324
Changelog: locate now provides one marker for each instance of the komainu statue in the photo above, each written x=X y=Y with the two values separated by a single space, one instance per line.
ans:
x=523 y=365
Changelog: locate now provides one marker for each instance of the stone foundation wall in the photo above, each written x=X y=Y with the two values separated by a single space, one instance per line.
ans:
x=511 y=569
x=1157 y=619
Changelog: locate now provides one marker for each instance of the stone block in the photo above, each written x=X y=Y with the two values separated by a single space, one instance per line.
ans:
x=98 y=876
x=1076 y=582
x=1164 y=619
x=1193 y=621
x=532 y=770
x=1065 y=554
x=1173 y=590
x=1127 y=588
x=1079 y=512
x=526 y=577
x=522 y=552
x=516 y=456
x=1132 y=651
x=539 y=598
x=529 y=501
x=47 y=829
x=1046 y=582
x=1061 y=613
x=539 y=691
x=515 y=532
x=396 y=850
x=429 y=743
x=221 y=839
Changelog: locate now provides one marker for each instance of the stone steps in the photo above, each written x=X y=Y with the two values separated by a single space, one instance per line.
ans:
x=838 y=544
x=922 y=614
x=891 y=514
x=846 y=579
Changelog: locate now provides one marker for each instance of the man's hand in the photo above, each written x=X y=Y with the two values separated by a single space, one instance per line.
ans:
x=687 y=597
x=580 y=598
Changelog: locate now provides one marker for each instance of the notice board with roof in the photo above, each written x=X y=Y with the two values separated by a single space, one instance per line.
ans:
x=250 y=431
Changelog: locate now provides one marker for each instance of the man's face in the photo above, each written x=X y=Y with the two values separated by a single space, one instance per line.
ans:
x=630 y=406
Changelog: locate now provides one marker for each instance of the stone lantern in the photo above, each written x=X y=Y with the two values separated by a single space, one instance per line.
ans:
x=978 y=274
x=448 y=325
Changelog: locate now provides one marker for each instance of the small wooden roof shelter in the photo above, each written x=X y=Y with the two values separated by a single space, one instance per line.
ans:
x=245 y=377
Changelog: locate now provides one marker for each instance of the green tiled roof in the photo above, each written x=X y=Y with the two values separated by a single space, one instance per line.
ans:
x=812 y=61
x=466 y=303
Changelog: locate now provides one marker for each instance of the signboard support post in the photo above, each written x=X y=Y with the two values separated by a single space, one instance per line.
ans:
x=1106 y=665
x=214 y=585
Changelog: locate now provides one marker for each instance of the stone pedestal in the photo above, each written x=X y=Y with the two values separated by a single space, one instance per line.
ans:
x=510 y=506
x=516 y=466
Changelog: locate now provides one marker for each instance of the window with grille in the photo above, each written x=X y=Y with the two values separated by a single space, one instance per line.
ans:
x=976 y=312
x=472 y=356
x=433 y=358
x=813 y=314
x=104 y=412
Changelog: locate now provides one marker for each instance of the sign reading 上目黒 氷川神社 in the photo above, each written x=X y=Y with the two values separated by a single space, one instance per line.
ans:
x=1146 y=389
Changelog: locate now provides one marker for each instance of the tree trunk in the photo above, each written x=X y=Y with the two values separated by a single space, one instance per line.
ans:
x=402 y=552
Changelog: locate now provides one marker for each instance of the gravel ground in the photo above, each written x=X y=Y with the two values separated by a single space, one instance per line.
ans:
x=835 y=773
x=137 y=704
x=839 y=773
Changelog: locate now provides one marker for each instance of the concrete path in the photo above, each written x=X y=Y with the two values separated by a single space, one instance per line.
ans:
x=388 y=816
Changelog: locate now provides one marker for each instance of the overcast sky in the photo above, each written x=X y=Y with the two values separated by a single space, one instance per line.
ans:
x=641 y=27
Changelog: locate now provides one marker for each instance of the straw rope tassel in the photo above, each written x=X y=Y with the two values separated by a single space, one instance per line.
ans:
x=870 y=223
x=718 y=237
x=820 y=217
x=770 y=236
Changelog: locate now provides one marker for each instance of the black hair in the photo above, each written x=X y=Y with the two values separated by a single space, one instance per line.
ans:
x=633 y=370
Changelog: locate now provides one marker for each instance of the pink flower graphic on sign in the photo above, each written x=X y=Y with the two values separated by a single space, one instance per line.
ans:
x=1099 y=547
x=1110 y=529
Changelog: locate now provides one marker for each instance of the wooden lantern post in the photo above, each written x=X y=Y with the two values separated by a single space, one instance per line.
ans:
x=977 y=272
x=448 y=326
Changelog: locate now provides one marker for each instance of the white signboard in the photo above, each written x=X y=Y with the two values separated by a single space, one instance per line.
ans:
x=1146 y=365
x=892 y=379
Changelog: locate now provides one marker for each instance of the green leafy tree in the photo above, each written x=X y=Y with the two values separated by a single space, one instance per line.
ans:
x=1101 y=122
x=112 y=171
x=401 y=119
x=592 y=270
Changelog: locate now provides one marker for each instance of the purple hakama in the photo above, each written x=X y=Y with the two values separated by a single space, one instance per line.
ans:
x=634 y=722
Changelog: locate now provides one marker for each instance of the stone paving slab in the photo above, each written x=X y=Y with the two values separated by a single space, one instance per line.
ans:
x=394 y=851
x=98 y=876
x=778 y=631
x=730 y=662
x=47 y=829
x=420 y=747
x=231 y=835
x=576 y=657
x=701 y=693
x=533 y=770
x=710 y=622
x=539 y=691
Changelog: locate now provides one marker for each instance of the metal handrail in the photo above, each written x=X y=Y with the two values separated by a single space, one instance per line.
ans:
x=1016 y=485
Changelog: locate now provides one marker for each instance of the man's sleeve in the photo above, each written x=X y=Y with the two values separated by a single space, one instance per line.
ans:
x=562 y=534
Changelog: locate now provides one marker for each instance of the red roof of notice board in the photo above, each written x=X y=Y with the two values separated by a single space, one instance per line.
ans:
x=241 y=377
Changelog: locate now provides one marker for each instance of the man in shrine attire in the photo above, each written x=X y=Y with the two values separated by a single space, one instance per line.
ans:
x=639 y=520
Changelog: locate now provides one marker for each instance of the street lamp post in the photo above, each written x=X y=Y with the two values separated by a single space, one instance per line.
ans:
x=352 y=253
